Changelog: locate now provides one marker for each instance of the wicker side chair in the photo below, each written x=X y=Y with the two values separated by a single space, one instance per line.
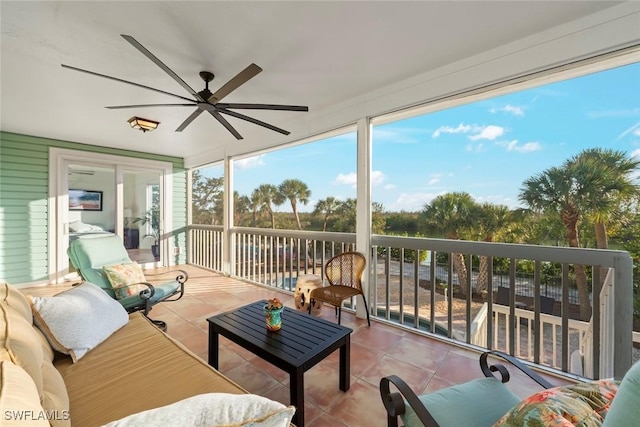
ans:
x=344 y=274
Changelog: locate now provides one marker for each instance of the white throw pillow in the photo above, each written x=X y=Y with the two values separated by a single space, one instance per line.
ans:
x=214 y=409
x=77 y=320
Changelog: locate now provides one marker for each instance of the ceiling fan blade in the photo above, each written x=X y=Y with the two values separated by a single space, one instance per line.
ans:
x=117 y=107
x=264 y=107
x=160 y=64
x=125 y=81
x=189 y=119
x=241 y=78
x=254 y=121
x=226 y=124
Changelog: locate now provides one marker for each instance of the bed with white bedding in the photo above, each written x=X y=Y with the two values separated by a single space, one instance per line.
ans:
x=80 y=230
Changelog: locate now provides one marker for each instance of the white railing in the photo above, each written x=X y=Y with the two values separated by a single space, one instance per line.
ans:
x=205 y=244
x=411 y=293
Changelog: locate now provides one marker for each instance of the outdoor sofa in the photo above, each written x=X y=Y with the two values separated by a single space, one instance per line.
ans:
x=119 y=368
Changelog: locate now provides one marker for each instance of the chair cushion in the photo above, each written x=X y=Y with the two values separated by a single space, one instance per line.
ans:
x=466 y=404
x=89 y=255
x=583 y=404
x=625 y=408
x=77 y=320
x=214 y=409
x=121 y=276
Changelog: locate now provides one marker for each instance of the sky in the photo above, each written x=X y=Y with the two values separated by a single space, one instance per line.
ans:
x=486 y=148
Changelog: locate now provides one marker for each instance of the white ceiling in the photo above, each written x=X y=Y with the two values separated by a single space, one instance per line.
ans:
x=342 y=59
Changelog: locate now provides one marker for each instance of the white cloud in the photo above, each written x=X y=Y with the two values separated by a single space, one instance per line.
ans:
x=511 y=109
x=636 y=153
x=377 y=178
x=524 y=148
x=634 y=130
x=490 y=132
x=390 y=187
x=346 y=179
x=250 y=162
x=435 y=178
x=448 y=129
x=398 y=135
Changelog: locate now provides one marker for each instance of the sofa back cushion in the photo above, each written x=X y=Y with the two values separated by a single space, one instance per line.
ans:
x=19 y=399
x=24 y=345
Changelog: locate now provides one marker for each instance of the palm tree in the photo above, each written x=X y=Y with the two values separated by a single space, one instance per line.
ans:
x=556 y=190
x=241 y=205
x=609 y=174
x=267 y=195
x=326 y=207
x=490 y=222
x=607 y=177
x=452 y=214
x=296 y=191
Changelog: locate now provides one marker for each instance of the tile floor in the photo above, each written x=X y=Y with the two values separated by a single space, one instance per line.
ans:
x=425 y=363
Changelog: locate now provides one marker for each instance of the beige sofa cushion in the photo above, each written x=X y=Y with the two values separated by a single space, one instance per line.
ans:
x=10 y=296
x=25 y=346
x=21 y=343
x=19 y=399
x=154 y=369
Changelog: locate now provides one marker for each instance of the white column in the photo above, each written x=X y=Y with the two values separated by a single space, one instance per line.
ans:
x=228 y=253
x=363 y=210
x=188 y=242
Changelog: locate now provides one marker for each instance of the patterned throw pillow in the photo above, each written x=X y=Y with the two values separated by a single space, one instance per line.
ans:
x=583 y=405
x=122 y=275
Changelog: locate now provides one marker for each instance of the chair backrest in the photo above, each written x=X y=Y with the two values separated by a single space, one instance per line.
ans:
x=346 y=269
x=89 y=255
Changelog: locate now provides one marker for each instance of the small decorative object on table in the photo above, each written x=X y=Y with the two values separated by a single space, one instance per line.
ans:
x=273 y=314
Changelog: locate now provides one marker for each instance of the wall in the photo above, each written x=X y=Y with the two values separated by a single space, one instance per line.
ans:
x=24 y=189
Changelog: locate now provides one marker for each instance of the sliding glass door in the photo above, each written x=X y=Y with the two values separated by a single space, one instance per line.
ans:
x=93 y=195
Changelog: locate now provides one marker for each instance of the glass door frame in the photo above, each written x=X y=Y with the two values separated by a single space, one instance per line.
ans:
x=58 y=239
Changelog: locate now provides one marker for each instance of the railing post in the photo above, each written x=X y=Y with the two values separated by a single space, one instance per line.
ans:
x=623 y=317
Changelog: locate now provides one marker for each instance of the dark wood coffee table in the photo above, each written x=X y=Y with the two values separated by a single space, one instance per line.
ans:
x=300 y=344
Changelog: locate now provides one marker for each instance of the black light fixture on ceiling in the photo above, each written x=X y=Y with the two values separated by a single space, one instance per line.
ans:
x=143 y=124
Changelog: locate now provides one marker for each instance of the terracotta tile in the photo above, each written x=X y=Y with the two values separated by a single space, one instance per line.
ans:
x=182 y=328
x=459 y=369
x=326 y=420
x=321 y=385
x=362 y=358
x=251 y=378
x=416 y=378
x=377 y=337
x=420 y=354
x=197 y=343
x=360 y=406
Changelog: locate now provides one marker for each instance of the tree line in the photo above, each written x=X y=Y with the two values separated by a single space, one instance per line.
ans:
x=587 y=200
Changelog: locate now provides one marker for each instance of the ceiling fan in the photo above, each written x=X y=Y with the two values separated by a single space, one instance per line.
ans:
x=204 y=100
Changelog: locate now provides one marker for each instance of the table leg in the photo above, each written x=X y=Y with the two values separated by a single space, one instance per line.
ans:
x=296 y=390
x=213 y=348
x=345 y=364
